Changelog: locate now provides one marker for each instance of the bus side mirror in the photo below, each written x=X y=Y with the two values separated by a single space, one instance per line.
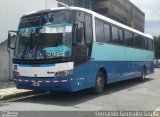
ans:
x=11 y=39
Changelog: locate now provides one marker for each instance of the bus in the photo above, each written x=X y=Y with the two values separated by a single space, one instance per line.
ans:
x=70 y=49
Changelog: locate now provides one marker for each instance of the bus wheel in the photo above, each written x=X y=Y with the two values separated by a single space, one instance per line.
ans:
x=143 y=75
x=99 y=86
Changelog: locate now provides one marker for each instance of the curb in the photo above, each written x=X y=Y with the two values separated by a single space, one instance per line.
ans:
x=10 y=93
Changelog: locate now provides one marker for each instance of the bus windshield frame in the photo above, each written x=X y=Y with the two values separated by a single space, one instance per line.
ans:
x=45 y=36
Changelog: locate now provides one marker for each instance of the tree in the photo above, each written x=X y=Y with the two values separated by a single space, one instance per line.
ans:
x=157 y=46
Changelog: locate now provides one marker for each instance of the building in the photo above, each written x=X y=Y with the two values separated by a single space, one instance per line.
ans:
x=122 y=11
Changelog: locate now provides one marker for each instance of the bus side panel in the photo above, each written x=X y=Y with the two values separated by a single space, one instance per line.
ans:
x=84 y=76
x=139 y=58
x=120 y=62
x=149 y=56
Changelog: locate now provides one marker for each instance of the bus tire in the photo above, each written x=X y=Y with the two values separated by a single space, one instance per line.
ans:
x=99 y=85
x=143 y=74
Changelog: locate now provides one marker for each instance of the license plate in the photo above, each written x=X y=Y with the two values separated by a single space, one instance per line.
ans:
x=36 y=84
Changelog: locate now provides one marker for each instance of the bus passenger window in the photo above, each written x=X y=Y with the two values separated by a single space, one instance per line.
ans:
x=143 y=42
x=150 y=45
x=126 y=35
x=80 y=37
x=88 y=29
x=137 y=41
x=99 y=31
x=129 y=40
x=121 y=36
x=107 y=33
x=115 y=36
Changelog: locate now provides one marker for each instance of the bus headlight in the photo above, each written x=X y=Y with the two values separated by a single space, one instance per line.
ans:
x=63 y=73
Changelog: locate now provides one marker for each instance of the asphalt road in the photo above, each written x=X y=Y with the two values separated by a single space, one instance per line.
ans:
x=131 y=95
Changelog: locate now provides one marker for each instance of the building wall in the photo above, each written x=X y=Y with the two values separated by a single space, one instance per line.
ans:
x=11 y=11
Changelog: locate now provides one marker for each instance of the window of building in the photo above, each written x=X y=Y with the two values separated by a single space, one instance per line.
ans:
x=115 y=36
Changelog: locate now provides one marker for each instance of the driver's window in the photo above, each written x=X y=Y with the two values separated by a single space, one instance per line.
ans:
x=80 y=37
x=81 y=32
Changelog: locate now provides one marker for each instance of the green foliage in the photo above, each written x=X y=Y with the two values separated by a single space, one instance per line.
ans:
x=157 y=46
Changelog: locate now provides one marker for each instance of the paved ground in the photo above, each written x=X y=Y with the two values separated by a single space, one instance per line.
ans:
x=124 y=96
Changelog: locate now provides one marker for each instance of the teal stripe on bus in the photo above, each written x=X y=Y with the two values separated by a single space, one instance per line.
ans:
x=111 y=52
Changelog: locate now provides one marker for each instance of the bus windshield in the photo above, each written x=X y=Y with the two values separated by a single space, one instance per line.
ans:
x=49 y=40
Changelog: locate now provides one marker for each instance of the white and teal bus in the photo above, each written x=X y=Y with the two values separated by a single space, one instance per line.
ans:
x=70 y=49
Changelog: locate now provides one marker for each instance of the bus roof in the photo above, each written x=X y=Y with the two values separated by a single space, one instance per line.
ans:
x=98 y=16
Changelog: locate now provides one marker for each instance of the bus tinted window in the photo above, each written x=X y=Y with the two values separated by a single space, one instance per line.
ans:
x=137 y=41
x=80 y=16
x=57 y=17
x=30 y=21
x=107 y=33
x=129 y=41
x=88 y=31
x=143 y=42
x=115 y=37
x=150 y=44
x=146 y=43
x=99 y=31
x=121 y=37
x=126 y=35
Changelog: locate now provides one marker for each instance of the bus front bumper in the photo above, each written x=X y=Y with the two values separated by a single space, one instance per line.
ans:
x=63 y=85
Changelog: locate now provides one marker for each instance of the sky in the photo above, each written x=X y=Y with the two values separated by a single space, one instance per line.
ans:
x=151 y=8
